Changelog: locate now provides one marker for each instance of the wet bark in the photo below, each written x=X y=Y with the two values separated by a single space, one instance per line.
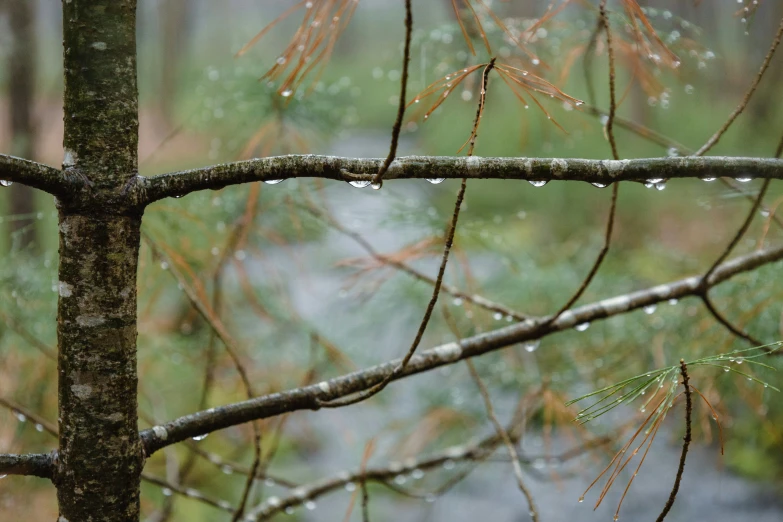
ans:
x=100 y=459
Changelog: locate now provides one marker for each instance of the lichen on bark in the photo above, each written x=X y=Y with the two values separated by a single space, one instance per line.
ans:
x=100 y=458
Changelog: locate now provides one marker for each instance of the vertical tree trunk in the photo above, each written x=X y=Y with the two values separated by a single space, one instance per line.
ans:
x=21 y=88
x=100 y=459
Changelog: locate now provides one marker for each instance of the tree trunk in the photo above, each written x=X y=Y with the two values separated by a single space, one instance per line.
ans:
x=21 y=88
x=100 y=457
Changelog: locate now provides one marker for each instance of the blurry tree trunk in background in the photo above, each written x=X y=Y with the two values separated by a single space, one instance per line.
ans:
x=175 y=25
x=21 y=87
x=769 y=91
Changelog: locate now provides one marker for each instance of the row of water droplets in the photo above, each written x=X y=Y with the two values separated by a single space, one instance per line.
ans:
x=657 y=183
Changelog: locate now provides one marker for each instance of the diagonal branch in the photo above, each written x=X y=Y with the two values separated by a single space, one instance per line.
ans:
x=741 y=107
x=475 y=299
x=309 y=397
x=32 y=174
x=36 y=465
x=727 y=324
x=397 y=127
x=604 y=172
x=685 y=443
x=377 y=388
x=504 y=436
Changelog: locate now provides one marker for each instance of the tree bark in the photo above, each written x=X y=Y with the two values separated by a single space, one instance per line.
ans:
x=100 y=458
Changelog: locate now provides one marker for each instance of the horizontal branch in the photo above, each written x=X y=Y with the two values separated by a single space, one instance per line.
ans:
x=309 y=397
x=309 y=492
x=601 y=172
x=32 y=174
x=36 y=465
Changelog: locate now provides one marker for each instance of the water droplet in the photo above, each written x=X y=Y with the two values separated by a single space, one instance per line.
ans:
x=650 y=309
x=582 y=327
x=376 y=186
x=497 y=316
x=581 y=499
x=436 y=181
x=272 y=181
x=164 y=265
x=39 y=428
x=739 y=360
x=539 y=463
x=430 y=498
x=673 y=301
x=725 y=369
x=226 y=469
x=286 y=93
x=6 y=183
x=3 y=476
x=599 y=185
x=654 y=180
x=708 y=179
x=457 y=301
x=448 y=464
x=660 y=186
x=400 y=479
x=538 y=183
x=310 y=505
x=166 y=492
x=20 y=416
x=201 y=437
x=359 y=183
x=417 y=474
x=532 y=346
x=289 y=510
x=743 y=180
x=616 y=517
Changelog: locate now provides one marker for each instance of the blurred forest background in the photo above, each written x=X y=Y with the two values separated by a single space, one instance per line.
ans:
x=305 y=301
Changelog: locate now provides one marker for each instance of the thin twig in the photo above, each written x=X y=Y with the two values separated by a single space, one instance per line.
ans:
x=388 y=260
x=365 y=502
x=615 y=187
x=587 y=65
x=740 y=233
x=186 y=492
x=406 y=58
x=219 y=417
x=512 y=451
x=685 y=442
x=741 y=107
x=32 y=340
x=233 y=352
x=726 y=323
x=598 y=260
x=36 y=419
x=441 y=271
x=612 y=95
x=425 y=320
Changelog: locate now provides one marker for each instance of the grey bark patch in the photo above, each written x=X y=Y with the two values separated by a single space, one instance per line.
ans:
x=83 y=391
x=90 y=320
